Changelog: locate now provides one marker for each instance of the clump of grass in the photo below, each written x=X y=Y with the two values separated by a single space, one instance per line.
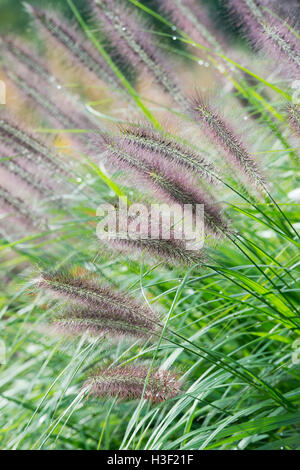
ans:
x=229 y=317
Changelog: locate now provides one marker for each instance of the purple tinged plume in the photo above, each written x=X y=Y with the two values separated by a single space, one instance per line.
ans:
x=17 y=174
x=31 y=76
x=19 y=217
x=96 y=308
x=165 y=147
x=164 y=179
x=192 y=19
x=127 y=383
x=32 y=149
x=224 y=137
x=268 y=31
x=77 y=49
x=170 y=252
x=130 y=36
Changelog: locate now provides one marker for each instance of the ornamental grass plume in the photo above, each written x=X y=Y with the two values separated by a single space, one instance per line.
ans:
x=167 y=148
x=169 y=252
x=75 y=48
x=13 y=50
x=191 y=17
x=268 y=31
x=128 y=382
x=131 y=38
x=49 y=98
x=222 y=135
x=294 y=118
x=22 y=142
x=27 y=180
x=167 y=181
x=95 y=308
x=153 y=241
x=16 y=174
x=17 y=216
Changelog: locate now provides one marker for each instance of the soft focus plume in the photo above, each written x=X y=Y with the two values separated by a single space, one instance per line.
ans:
x=77 y=50
x=191 y=17
x=164 y=179
x=268 y=31
x=131 y=38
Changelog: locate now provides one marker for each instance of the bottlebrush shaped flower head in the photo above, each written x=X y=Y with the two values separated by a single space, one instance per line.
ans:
x=21 y=141
x=294 y=118
x=131 y=38
x=96 y=308
x=270 y=32
x=78 y=51
x=167 y=148
x=164 y=179
x=170 y=252
x=221 y=134
x=127 y=383
x=26 y=54
x=191 y=17
x=55 y=104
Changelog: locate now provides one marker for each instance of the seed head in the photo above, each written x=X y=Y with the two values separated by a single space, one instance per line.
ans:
x=128 y=383
x=97 y=308
x=224 y=137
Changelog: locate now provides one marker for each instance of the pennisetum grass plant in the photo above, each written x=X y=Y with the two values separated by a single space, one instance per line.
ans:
x=137 y=342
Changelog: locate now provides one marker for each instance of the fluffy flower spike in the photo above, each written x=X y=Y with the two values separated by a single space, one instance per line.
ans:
x=131 y=38
x=268 y=31
x=165 y=147
x=96 y=308
x=128 y=383
x=294 y=118
x=77 y=50
x=224 y=137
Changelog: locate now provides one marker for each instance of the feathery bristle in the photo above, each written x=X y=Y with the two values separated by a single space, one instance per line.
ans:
x=98 y=308
x=130 y=36
x=222 y=135
x=128 y=382
x=167 y=148
x=176 y=187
